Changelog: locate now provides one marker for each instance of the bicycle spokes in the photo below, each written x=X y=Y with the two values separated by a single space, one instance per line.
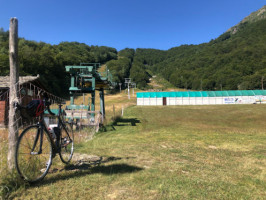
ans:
x=33 y=154
x=66 y=143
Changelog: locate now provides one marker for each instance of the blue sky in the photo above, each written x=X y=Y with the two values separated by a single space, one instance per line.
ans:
x=159 y=24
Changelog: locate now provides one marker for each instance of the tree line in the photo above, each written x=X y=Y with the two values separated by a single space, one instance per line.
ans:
x=49 y=61
x=230 y=62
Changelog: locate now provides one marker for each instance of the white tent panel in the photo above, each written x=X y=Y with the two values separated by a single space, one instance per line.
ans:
x=219 y=100
x=205 y=100
x=159 y=101
x=199 y=100
x=140 y=101
x=179 y=101
x=192 y=101
x=245 y=100
x=202 y=100
x=153 y=101
x=212 y=100
x=185 y=101
x=146 y=101
x=170 y=101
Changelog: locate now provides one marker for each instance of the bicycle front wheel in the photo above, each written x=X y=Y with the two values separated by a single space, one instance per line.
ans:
x=33 y=156
x=66 y=143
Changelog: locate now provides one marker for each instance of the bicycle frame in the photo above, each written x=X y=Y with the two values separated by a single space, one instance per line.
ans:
x=43 y=127
x=60 y=123
x=37 y=146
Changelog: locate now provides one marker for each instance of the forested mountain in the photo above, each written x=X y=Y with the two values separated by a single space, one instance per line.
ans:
x=49 y=61
x=129 y=66
x=235 y=60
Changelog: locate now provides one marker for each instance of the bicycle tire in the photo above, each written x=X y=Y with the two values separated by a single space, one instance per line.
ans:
x=66 y=143
x=33 y=168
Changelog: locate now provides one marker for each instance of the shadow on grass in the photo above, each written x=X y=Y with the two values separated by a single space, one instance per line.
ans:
x=85 y=168
x=126 y=121
x=119 y=121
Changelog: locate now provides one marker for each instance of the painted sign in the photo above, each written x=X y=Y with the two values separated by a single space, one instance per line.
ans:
x=229 y=100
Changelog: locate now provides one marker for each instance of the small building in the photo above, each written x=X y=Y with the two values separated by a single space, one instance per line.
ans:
x=201 y=97
x=29 y=88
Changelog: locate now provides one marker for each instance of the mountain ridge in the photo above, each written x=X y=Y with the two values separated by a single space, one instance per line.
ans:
x=232 y=61
x=253 y=17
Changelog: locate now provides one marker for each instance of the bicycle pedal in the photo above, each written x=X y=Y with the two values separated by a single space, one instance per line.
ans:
x=65 y=143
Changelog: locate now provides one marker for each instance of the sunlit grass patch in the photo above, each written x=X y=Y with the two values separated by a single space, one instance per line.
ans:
x=9 y=180
x=172 y=152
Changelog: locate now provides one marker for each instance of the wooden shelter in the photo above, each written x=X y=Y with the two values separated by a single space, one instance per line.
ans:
x=30 y=88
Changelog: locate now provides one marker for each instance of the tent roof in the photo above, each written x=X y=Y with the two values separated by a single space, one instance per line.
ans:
x=224 y=93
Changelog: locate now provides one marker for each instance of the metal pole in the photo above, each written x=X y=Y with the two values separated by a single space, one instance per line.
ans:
x=262 y=82
x=125 y=89
x=93 y=97
x=89 y=104
x=128 y=91
x=120 y=86
x=102 y=103
x=13 y=92
x=72 y=85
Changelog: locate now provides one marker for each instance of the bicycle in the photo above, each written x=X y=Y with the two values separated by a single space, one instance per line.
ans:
x=37 y=146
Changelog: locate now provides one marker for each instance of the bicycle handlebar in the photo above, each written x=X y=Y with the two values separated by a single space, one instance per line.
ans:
x=47 y=106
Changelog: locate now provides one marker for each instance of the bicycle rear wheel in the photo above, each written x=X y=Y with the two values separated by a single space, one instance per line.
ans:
x=31 y=164
x=66 y=143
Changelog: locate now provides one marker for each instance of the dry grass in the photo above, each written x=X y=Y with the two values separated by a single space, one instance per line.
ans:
x=172 y=152
x=5 y=175
x=3 y=151
x=159 y=83
x=113 y=103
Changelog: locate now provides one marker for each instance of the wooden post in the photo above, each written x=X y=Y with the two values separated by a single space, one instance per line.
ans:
x=13 y=92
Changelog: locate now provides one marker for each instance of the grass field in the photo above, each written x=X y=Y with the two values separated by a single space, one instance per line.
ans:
x=181 y=152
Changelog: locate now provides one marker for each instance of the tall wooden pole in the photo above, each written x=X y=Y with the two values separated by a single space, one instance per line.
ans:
x=13 y=92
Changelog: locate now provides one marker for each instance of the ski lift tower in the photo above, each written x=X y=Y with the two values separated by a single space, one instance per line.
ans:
x=128 y=81
x=120 y=86
x=133 y=86
x=86 y=78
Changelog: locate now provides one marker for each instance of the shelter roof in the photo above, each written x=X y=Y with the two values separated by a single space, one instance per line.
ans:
x=5 y=80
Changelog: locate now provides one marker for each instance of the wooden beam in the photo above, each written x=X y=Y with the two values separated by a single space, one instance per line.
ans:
x=13 y=92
